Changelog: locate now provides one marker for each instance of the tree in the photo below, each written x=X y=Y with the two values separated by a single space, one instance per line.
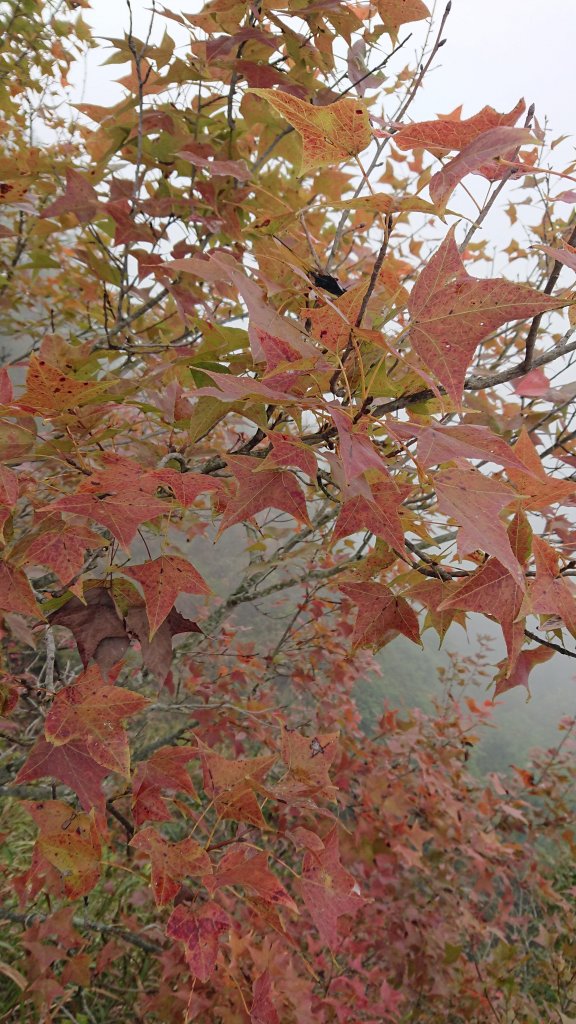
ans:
x=270 y=420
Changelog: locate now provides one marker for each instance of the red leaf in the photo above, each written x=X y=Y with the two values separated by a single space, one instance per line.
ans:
x=171 y=862
x=79 y=198
x=71 y=764
x=328 y=890
x=121 y=512
x=537 y=488
x=527 y=661
x=93 y=712
x=289 y=451
x=242 y=867
x=164 y=772
x=357 y=451
x=475 y=501
x=566 y=256
x=262 y=490
x=374 y=508
x=187 y=487
x=98 y=632
x=162 y=580
x=16 y=593
x=450 y=133
x=534 y=384
x=200 y=931
x=308 y=760
x=232 y=785
x=452 y=312
x=381 y=615
x=263 y=1010
x=62 y=547
x=550 y=594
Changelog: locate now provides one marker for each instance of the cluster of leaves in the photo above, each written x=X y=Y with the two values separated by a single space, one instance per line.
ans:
x=226 y=356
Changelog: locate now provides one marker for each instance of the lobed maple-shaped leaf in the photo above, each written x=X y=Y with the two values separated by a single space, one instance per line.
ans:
x=452 y=312
x=250 y=870
x=164 y=772
x=68 y=840
x=93 y=712
x=233 y=784
x=261 y=489
x=435 y=594
x=262 y=1010
x=475 y=502
x=329 y=134
x=16 y=594
x=328 y=890
x=49 y=391
x=71 y=764
x=200 y=931
x=171 y=863
x=62 y=547
x=162 y=579
x=496 y=142
x=438 y=443
x=374 y=508
x=381 y=615
x=80 y=198
x=289 y=451
x=308 y=760
x=550 y=593
x=527 y=661
x=121 y=511
x=452 y=133
x=537 y=488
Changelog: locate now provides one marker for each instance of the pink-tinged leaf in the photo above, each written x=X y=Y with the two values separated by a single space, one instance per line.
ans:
x=263 y=1010
x=261 y=489
x=250 y=870
x=533 y=384
x=550 y=593
x=62 y=548
x=121 y=512
x=381 y=615
x=289 y=451
x=69 y=840
x=236 y=389
x=80 y=198
x=451 y=313
x=566 y=197
x=374 y=508
x=308 y=760
x=164 y=772
x=475 y=502
x=8 y=487
x=438 y=443
x=162 y=580
x=496 y=142
x=356 y=448
x=432 y=593
x=16 y=593
x=70 y=764
x=566 y=256
x=527 y=661
x=200 y=931
x=451 y=133
x=330 y=134
x=217 y=168
x=93 y=712
x=171 y=862
x=328 y=890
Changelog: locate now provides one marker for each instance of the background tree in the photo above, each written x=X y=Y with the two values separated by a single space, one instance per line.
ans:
x=270 y=420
